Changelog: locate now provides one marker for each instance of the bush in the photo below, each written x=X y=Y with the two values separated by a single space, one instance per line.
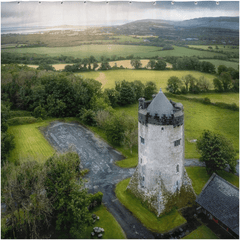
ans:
x=40 y=112
x=206 y=101
x=96 y=200
x=13 y=114
x=88 y=116
x=22 y=120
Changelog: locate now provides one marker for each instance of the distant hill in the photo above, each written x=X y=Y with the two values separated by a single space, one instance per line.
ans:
x=224 y=29
x=231 y=23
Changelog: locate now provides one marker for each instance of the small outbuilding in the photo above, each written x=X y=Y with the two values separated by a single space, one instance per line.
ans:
x=219 y=200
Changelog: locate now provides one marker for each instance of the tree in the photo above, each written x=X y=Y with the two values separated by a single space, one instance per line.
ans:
x=130 y=133
x=160 y=65
x=44 y=66
x=136 y=63
x=150 y=89
x=203 y=84
x=28 y=208
x=226 y=80
x=126 y=94
x=222 y=68
x=114 y=128
x=138 y=88
x=113 y=96
x=7 y=139
x=207 y=67
x=174 y=84
x=217 y=85
x=65 y=189
x=151 y=64
x=216 y=151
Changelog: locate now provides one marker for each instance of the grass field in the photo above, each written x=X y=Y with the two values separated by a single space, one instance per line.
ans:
x=199 y=117
x=30 y=143
x=108 y=50
x=201 y=232
x=112 y=229
x=217 y=62
x=158 y=77
x=162 y=224
x=220 y=48
x=218 y=97
x=199 y=177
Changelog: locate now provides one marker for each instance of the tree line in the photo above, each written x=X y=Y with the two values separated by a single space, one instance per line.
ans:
x=45 y=199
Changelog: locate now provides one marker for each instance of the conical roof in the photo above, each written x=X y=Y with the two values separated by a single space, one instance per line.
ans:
x=160 y=105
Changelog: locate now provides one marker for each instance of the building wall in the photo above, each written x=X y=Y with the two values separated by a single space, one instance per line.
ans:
x=158 y=156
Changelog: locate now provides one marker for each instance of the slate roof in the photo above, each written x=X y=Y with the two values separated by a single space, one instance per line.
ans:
x=221 y=199
x=160 y=105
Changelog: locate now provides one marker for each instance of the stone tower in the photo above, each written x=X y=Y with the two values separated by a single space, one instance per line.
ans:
x=160 y=173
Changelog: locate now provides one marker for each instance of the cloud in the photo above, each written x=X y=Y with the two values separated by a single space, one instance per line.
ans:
x=99 y=13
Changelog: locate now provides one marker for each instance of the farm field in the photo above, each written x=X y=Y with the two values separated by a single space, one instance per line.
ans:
x=158 y=77
x=124 y=63
x=30 y=143
x=199 y=117
x=217 y=97
x=201 y=232
x=162 y=224
x=220 y=48
x=108 y=50
x=217 y=62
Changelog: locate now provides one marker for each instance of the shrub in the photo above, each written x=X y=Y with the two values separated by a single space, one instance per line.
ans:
x=88 y=116
x=40 y=112
x=22 y=120
x=96 y=200
x=206 y=101
x=13 y=114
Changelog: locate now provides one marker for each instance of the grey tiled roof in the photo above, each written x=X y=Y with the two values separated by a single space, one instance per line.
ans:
x=160 y=105
x=221 y=199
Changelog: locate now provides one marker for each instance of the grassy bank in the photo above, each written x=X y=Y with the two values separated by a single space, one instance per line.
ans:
x=228 y=98
x=112 y=229
x=201 y=232
x=162 y=224
x=199 y=177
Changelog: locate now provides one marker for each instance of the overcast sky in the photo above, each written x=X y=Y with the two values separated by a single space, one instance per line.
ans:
x=27 y=14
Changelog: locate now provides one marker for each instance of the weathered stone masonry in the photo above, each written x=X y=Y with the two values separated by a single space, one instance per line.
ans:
x=160 y=174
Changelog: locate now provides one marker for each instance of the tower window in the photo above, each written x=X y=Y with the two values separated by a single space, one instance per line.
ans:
x=142 y=140
x=177 y=168
x=143 y=178
x=162 y=128
x=177 y=142
x=141 y=160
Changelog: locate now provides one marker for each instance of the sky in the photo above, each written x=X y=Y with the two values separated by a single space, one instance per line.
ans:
x=48 y=13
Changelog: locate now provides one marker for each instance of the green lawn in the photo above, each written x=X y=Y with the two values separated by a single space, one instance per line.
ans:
x=108 y=50
x=199 y=177
x=30 y=143
x=162 y=224
x=199 y=117
x=201 y=232
x=112 y=229
x=218 y=97
x=158 y=77
x=217 y=62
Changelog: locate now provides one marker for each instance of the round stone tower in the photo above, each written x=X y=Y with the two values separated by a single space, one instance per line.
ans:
x=160 y=173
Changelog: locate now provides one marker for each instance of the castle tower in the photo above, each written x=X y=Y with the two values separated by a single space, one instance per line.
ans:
x=160 y=173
